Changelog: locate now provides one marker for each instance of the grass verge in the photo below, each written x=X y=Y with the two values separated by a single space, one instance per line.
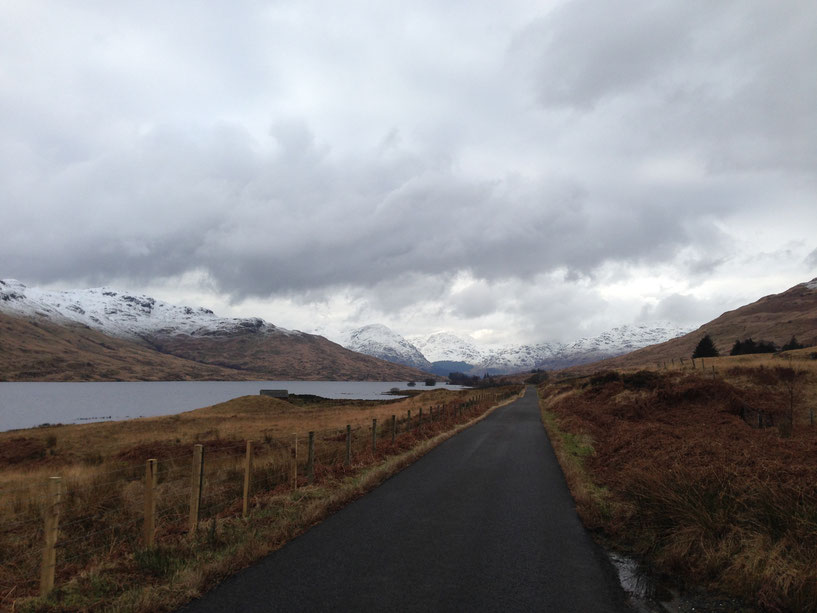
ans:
x=571 y=449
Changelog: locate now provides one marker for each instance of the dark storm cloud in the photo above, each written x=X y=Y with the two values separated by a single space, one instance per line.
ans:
x=283 y=216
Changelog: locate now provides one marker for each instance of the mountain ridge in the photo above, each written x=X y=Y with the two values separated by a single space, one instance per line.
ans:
x=443 y=348
x=222 y=348
x=775 y=318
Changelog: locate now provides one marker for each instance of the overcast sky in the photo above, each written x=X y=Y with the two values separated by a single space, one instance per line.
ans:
x=515 y=171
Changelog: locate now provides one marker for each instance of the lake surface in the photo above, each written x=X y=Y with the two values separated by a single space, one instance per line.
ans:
x=24 y=405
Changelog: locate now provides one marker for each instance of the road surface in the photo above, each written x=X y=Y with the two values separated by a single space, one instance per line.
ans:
x=484 y=522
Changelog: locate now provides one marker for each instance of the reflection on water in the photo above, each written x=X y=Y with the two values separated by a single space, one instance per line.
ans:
x=25 y=405
x=633 y=579
x=644 y=590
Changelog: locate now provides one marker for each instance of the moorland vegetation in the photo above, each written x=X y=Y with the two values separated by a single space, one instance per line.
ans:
x=705 y=475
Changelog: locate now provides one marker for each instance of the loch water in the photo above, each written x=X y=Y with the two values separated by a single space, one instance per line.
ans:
x=29 y=404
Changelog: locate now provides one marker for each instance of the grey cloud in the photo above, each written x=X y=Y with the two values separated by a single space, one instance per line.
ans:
x=686 y=310
x=267 y=146
x=811 y=259
x=585 y=52
x=475 y=301
x=729 y=80
x=271 y=217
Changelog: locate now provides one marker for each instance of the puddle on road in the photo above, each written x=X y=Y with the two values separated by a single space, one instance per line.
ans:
x=643 y=589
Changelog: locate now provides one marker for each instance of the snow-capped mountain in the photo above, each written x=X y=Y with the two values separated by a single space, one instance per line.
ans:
x=514 y=358
x=382 y=342
x=625 y=338
x=615 y=342
x=122 y=314
x=148 y=332
x=447 y=347
x=456 y=352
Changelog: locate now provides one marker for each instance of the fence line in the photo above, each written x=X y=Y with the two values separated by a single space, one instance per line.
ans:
x=75 y=520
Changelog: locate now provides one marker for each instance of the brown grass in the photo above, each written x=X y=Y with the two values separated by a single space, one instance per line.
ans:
x=673 y=471
x=101 y=561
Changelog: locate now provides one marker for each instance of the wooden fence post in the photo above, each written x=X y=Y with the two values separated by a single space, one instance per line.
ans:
x=348 y=461
x=393 y=427
x=52 y=518
x=374 y=436
x=247 y=480
x=294 y=454
x=196 y=479
x=310 y=460
x=151 y=478
x=420 y=418
x=408 y=421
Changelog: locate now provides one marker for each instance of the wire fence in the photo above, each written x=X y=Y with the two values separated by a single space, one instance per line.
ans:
x=52 y=531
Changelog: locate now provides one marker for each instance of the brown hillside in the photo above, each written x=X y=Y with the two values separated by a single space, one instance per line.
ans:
x=773 y=318
x=39 y=350
x=280 y=355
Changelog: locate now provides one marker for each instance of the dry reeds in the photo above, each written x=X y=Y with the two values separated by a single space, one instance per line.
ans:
x=695 y=483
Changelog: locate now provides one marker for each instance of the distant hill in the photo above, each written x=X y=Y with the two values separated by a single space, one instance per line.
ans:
x=446 y=367
x=774 y=318
x=105 y=334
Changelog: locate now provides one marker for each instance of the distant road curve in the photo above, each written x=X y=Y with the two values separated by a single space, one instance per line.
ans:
x=484 y=522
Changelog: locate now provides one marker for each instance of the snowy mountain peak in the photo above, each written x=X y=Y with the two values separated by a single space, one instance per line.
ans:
x=382 y=342
x=444 y=346
x=123 y=314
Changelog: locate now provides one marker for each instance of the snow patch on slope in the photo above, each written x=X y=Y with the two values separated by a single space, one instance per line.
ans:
x=447 y=347
x=812 y=284
x=516 y=358
x=123 y=314
x=382 y=342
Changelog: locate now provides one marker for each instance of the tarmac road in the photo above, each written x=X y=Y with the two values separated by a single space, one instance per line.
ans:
x=484 y=522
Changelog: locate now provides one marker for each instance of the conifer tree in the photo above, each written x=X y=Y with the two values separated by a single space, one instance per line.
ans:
x=792 y=344
x=705 y=349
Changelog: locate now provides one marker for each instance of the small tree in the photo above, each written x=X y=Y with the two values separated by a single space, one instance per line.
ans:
x=705 y=349
x=738 y=348
x=750 y=346
x=792 y=344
